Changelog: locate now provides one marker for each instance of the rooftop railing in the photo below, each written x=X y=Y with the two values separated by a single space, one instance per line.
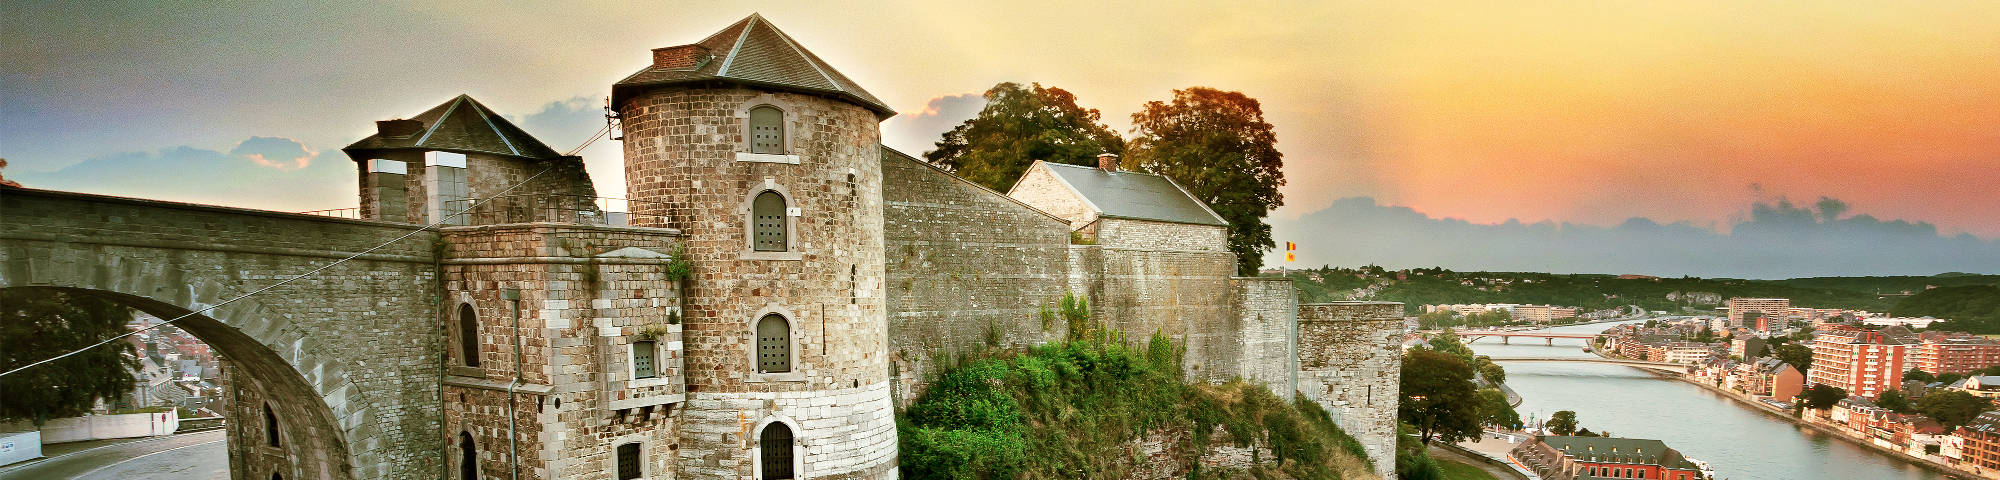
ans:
x=564 y=208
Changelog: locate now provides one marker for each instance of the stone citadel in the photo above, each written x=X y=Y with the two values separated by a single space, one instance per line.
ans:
x=776 y=284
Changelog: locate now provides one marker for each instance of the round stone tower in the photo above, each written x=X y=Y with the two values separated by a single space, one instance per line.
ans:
x=768 y=161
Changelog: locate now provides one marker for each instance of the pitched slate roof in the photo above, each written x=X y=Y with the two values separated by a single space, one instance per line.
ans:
x=1619 y=450
x=460 y=125
x=751 y=52
x=1134 y=195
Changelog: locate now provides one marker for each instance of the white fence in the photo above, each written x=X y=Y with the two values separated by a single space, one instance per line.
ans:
x=97 y=427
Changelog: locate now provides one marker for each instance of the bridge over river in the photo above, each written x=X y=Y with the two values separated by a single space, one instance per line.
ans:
x=1663 y=366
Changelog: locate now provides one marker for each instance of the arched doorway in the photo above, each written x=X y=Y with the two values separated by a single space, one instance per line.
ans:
x=277 y=420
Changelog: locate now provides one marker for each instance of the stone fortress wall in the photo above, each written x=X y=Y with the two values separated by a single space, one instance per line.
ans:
x=968 y=267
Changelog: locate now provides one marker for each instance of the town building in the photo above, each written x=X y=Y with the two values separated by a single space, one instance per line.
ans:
x=1589 y=458
x=1746 y=347
x=1542 y=313
x=1977 y=444
x=1689 y=353
x=1741 y=310
x=1943 y=352
x=1863 y=362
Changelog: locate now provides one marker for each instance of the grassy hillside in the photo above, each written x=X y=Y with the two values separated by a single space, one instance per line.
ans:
x=1098 y=409
x=1438 y=286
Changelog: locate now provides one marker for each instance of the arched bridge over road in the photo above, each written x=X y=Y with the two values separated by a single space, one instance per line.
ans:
x=348 y=361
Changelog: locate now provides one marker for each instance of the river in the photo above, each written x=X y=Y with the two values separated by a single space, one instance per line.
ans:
x=1740 y=443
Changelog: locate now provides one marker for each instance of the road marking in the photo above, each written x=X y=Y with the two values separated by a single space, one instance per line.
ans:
x=122 y=462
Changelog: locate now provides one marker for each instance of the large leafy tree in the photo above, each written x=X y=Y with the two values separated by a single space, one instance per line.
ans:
x=1821 y=397
x=1799 y=356
x=1496 y=411
x=1217 y=145
x=1439 y=399
x=1562 y=423
x=37 y=324
x=1019 y=126
x=1953 y=407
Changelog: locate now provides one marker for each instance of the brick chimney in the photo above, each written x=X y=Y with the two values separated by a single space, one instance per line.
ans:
x=1107 y=162
x=400 y=128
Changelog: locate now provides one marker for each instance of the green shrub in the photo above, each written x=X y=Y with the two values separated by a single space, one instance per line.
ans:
x=1069 y=409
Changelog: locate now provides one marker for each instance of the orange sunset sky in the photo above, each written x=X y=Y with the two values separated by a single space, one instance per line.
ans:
x=1585 y=112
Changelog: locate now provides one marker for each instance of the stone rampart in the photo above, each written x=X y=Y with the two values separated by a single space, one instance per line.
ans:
x=1350 y=362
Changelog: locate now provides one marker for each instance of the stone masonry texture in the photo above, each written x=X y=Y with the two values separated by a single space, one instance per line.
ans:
x=1350 y=362
x=889 y=265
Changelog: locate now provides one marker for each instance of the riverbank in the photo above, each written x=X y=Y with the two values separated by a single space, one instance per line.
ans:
x=1829 y=430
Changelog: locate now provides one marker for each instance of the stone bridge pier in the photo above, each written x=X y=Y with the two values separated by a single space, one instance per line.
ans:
x=343 y=366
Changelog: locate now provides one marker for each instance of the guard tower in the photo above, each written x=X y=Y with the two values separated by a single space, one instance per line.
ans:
x=766 y=160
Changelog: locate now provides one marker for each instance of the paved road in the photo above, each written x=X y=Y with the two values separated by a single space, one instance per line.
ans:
x=195 y=456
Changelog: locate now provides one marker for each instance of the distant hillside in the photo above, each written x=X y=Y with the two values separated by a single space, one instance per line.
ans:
x=1972 y=308
x=1419 y=287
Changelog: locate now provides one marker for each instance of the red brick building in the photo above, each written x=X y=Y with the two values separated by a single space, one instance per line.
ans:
x=1572 y=458
x=1863 y=362
x=1943 y=352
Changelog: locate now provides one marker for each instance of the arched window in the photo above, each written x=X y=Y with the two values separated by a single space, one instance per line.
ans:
x=776 y=446
x=774 y=344
x=270 y=426
x=767 y=213
x=628 y=461
x=767 y=130
x=276 y=476
x=468 y=458
x=468 y=334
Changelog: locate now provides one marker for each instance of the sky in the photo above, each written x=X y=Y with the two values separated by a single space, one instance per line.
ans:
x=1590 y=114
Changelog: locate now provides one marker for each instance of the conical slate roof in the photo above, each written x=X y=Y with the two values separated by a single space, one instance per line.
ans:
x=460 y=125
x=750 y=52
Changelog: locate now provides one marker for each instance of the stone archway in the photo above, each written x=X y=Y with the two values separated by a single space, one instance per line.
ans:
x=268 y=363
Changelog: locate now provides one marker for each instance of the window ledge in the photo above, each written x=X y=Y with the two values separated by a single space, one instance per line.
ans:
x=767 y=158
x=649 y=382
x=756 y=255
x=792 y=376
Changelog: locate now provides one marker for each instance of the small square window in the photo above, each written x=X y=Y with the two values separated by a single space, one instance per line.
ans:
x=642 y=359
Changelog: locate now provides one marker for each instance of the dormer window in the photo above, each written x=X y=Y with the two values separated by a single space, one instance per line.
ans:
x=767 y=130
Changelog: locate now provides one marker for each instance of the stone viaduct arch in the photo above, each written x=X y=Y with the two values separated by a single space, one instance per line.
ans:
x=350 y=360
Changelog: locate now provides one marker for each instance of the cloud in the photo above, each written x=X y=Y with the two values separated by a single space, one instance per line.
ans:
x=1779 y=239
x=564 y=124
x=261 y=172
x=918 y=132
x=274 y=152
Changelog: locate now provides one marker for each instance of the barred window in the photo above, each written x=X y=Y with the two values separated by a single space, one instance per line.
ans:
x=642 y=359
x=767 y=130
x=628 y=461
x=774 y=344
x=767 y=213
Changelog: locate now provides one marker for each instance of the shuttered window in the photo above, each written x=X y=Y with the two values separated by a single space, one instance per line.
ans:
x=628 y=461
x=642 y=359
x=767 y=214
x=776 y=448
x=767 y=130
x=774 y=345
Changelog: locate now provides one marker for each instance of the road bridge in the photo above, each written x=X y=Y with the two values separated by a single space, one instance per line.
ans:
x=1506 y=336
x=1663 y=366
x=345 y=363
